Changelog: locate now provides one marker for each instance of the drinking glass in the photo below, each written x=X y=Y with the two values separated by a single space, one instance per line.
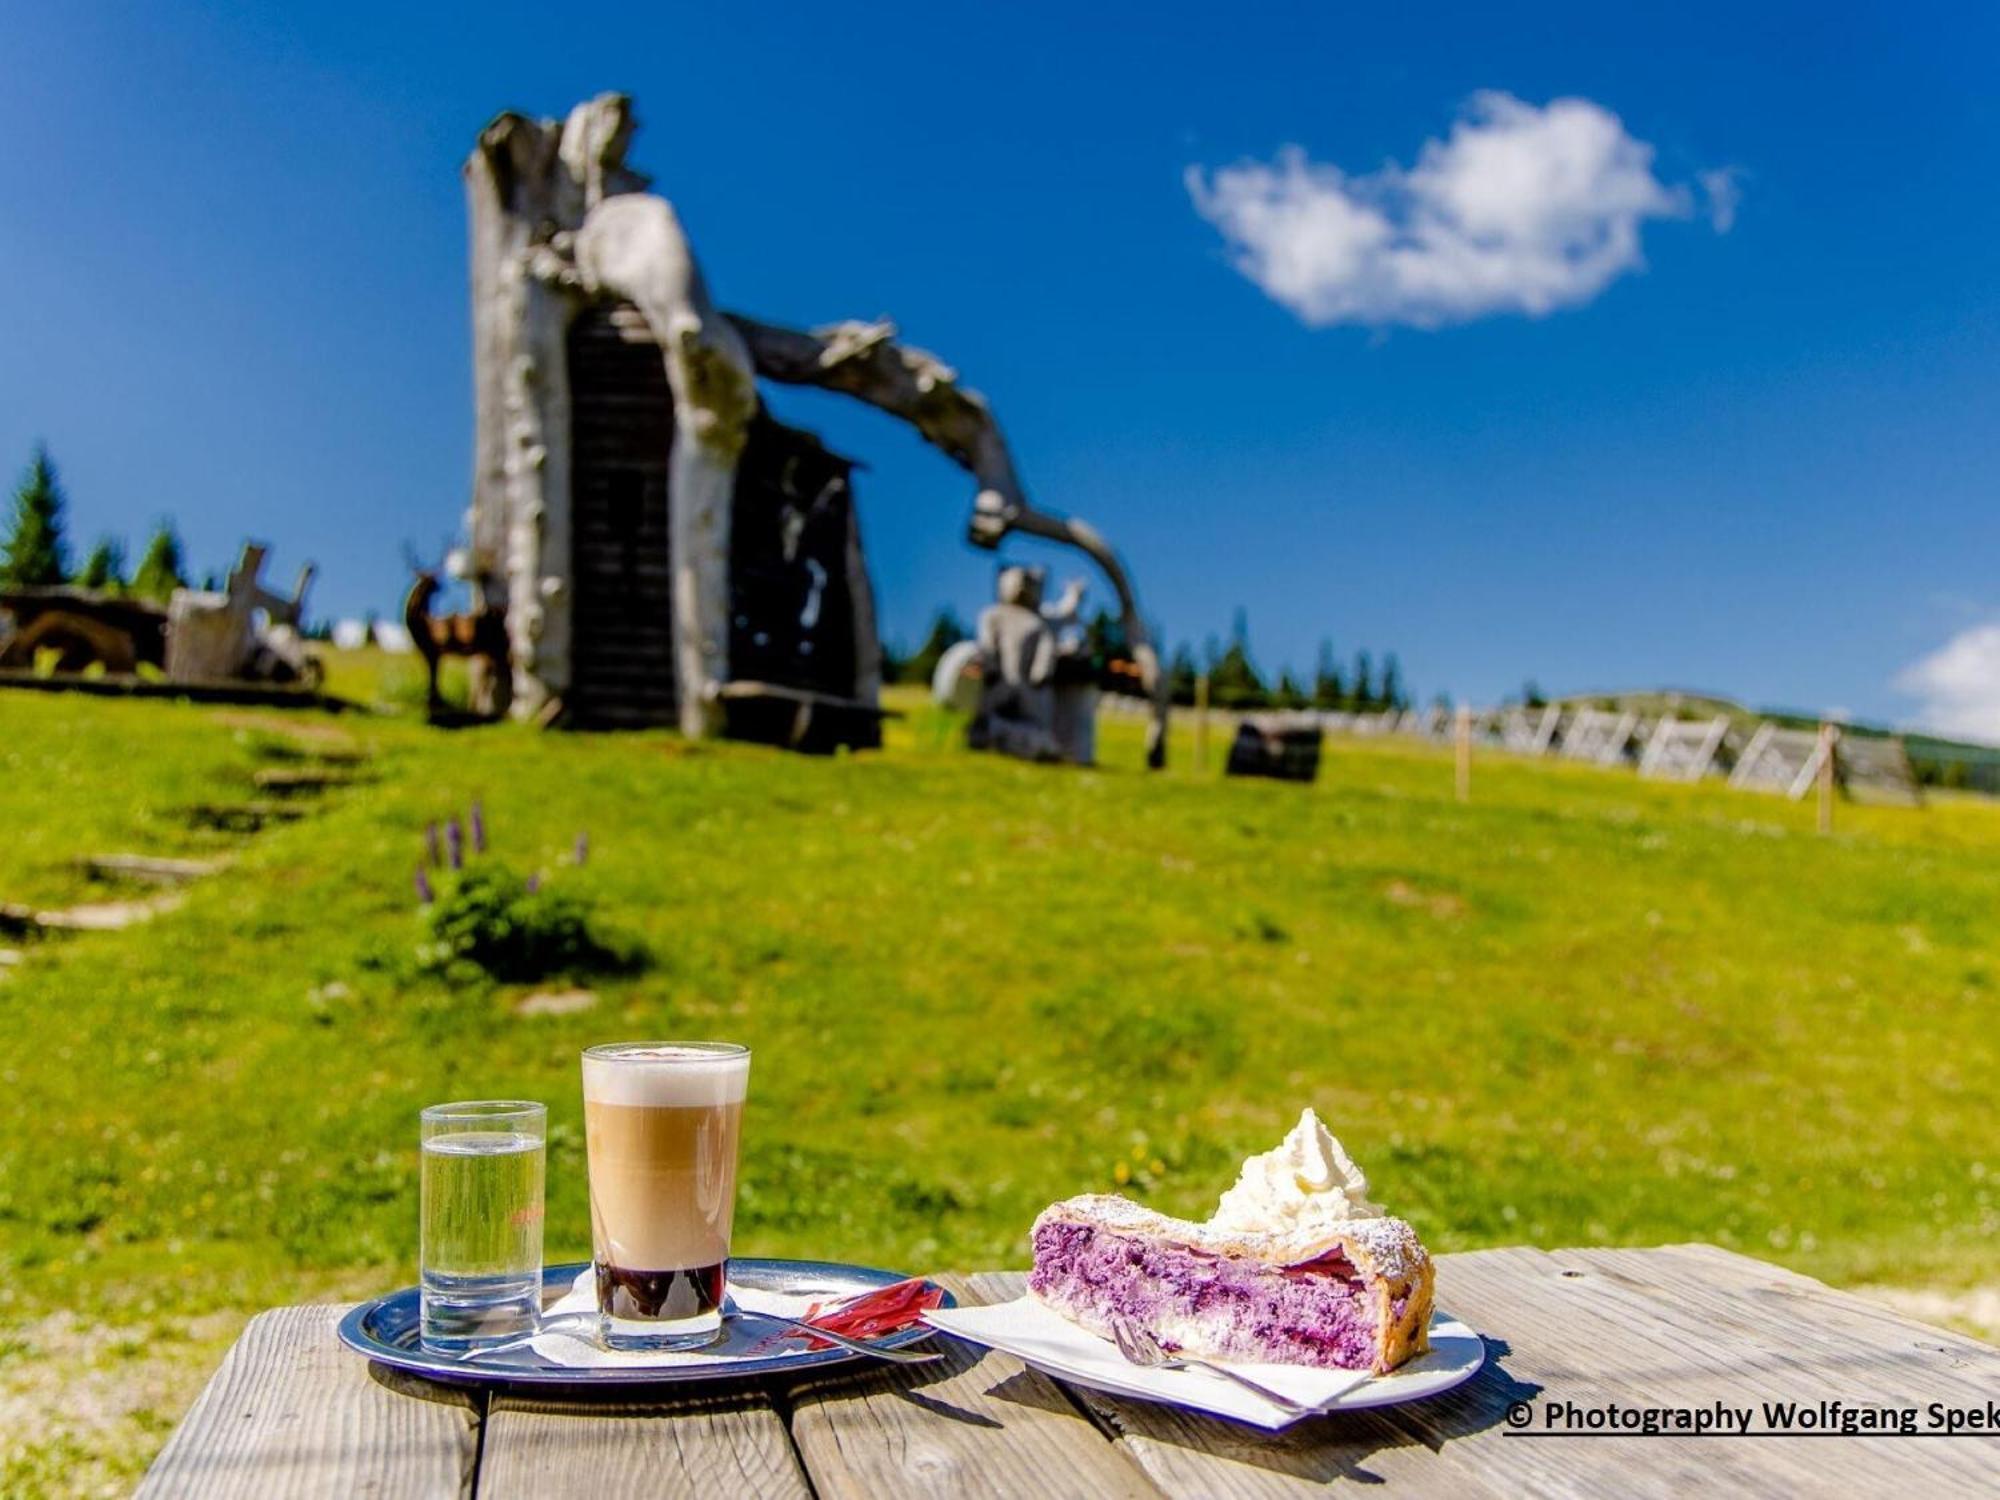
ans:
x=661 y=1122
x=480 y=1259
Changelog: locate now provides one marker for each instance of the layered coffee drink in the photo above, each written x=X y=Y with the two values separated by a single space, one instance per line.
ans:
x=661 y=1122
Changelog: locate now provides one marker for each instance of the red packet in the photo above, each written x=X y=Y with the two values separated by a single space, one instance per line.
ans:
x=876 y=1314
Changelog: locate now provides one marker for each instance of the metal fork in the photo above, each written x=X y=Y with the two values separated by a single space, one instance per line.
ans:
x=873 y=1351
x=1144 y=1349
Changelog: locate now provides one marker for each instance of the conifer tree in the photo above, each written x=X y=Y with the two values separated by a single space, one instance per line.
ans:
x=946 y=631
x=1288 y=693
x=34 y=554
x=104 y=566
x=1392 y=684
x=1233 y=679
x=1362 y=695
x=1181 y=676
x=1329 y=692
x=161 y=570
x=1104 y=637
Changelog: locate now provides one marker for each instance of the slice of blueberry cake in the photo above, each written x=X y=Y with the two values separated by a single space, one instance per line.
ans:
x=1297 y=1266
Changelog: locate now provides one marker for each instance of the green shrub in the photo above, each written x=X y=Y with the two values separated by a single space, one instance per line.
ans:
x=515 y=930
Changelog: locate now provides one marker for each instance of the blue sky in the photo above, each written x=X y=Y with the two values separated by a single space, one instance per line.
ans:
x=232 y=288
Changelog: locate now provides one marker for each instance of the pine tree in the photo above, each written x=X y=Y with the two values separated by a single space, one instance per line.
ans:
x=1328 y=690
x=1233 y=679
x=1288 y=693
x=1104 y=637
x=1181 y=675
x=34 y=555
x=946 y=631
x=161 y=570
x=104 y=568
x=1362 y=697
x=1531 y=695
x=1392 y=684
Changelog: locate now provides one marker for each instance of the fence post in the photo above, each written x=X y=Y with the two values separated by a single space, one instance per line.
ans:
x=1827 y=737
x=1461 y=734
x=1201 y=721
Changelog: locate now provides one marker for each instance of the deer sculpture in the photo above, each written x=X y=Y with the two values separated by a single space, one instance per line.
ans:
x=480 y=636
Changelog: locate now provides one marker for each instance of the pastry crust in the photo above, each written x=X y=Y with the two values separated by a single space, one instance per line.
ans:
x=1385 y=1253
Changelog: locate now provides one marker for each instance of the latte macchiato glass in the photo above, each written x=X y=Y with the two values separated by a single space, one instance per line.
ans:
x=661 y=1122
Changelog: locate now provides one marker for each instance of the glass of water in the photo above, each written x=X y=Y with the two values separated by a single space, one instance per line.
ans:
x=480 y=1259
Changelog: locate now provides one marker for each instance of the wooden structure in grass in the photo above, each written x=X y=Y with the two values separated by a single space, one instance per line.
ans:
x=664 y=550
x=1780 y=760
x=1282 y=746
x=1598 y=736
x=242 y=633
x=1529 y=731
x=1875 y=768
x=1683 y=749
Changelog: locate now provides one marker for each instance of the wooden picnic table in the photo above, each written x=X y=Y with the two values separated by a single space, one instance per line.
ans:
x=290 y=1413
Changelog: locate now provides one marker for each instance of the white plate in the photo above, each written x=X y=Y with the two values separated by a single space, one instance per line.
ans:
x=1052 y=1344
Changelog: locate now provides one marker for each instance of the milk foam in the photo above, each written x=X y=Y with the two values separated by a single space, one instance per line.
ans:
x=663 y=1077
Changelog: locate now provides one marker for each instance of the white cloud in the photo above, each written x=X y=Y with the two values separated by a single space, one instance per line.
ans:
x=1521 y=210
x=1957 y=687
x=1721 y=192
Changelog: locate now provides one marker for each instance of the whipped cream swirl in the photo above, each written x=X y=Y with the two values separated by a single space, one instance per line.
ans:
x=1309 y=1180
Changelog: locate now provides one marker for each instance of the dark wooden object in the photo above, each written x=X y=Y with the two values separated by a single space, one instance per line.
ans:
x=1282 y=747
x=84 y=628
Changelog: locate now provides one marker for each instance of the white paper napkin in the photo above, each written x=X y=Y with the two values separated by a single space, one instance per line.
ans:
x=1053 y=1344
x=576 y=1346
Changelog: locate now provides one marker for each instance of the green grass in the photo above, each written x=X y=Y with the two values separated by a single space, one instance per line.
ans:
x=1582 y=1009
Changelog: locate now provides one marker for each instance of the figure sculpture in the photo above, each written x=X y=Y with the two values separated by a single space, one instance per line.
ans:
x=1037 y=688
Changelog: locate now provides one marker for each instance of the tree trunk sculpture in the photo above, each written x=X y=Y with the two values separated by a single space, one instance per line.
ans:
x=559 y=221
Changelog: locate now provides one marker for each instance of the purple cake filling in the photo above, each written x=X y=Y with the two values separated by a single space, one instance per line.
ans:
x=1320 y=1315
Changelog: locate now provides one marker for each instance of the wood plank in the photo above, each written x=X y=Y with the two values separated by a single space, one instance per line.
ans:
x=728 y=1445
x=1678 y=1328
x=1558 y=1336
x=1187 y=1454
x=1683 y=1327
x=152 y=868
x=291 y=1415
x=1792 y=1326
x=978 y=1424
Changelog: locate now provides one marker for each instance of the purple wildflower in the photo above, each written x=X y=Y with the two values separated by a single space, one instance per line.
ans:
x=478 y=827
x=424 y=896
x=431 y=845
x=534 y=882
x=582 y=847
x=454 y=843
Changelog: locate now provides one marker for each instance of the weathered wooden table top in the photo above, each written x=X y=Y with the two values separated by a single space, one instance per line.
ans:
x=291 y=1413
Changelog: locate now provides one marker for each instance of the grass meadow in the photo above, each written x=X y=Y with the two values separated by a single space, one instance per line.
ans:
x=1581 y=1009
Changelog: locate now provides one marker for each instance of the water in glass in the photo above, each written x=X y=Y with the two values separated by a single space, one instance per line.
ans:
x=483 y=1167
